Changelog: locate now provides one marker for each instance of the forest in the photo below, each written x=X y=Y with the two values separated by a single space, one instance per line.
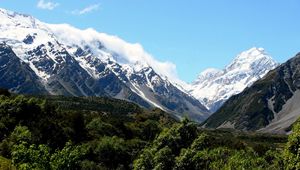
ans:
x=56 y=132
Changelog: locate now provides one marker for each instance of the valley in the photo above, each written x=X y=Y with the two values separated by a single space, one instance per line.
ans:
x=73 y=98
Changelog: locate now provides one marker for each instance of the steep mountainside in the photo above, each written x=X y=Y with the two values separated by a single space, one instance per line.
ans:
x=63 y=60
x=17 y=75
x=270 y=105
x=213 y=87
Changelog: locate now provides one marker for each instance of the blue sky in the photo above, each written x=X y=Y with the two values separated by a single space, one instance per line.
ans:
x=193 y=34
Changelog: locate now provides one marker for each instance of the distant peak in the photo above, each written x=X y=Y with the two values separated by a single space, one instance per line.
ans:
x=247 y=58
x=252 y=53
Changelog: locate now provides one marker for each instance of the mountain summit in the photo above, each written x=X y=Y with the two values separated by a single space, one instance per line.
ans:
x=213 y=87
x=270 y=105
x=58 y=59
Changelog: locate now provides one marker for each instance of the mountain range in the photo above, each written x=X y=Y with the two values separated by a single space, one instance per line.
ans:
x=41 y=58
x=253 y=92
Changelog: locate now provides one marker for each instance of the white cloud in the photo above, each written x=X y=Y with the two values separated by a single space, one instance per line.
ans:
x=87 y=9
x=130 y=53
x=47 y=5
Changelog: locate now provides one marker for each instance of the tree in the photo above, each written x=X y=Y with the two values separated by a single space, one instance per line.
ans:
x=164 y=159
x=292 y=150
x=97 y=128
x=19 y=135
x=161 y=154
x=246 y=159
x=67 y=158
x=28 y=157
x=184 y=160
x=111 y=152
x=145 y=160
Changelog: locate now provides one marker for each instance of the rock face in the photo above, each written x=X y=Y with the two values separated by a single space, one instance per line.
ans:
x=270 y=105
x=16 y=75
x=40 y=58
x=213 y=87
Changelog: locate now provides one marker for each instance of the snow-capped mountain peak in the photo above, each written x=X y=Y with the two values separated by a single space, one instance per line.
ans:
x=213 y=87
x=247 y=58
x=251 y=54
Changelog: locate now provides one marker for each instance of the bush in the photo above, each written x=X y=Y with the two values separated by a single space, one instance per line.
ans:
x=111 y=152
x=292 y=150
x=67 y=158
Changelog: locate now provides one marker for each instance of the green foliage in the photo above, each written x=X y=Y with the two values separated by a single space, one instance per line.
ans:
x=56 y=132
x=184 y=147
x=20 y=134
x=246 y=160
x=179 y=136
x=27 y=157
x=97 y=128
x=164 y=159
x=101 y=133
x=185 y=160
x=145 y=160
x=292 y=150
x=111 y=152
x=203 y=141
x=275 y=160
x=67 y=158
x=161 y=154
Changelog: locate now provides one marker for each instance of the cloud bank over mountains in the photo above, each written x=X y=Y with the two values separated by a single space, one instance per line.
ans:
x=132 y=53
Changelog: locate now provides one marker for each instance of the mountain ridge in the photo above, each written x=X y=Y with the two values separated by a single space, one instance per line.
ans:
x=86 y=65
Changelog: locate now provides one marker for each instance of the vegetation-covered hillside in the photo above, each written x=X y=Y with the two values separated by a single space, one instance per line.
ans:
x=74 y=133
x=101 y=133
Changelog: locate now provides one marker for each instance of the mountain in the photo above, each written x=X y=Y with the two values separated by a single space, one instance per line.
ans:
x=213 y=86
x=270 y=105
x=58 y=59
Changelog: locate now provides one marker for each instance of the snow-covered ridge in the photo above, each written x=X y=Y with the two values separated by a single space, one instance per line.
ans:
x=213 y=87
x=15 y=27
x=128 y=53
x=70 y=61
